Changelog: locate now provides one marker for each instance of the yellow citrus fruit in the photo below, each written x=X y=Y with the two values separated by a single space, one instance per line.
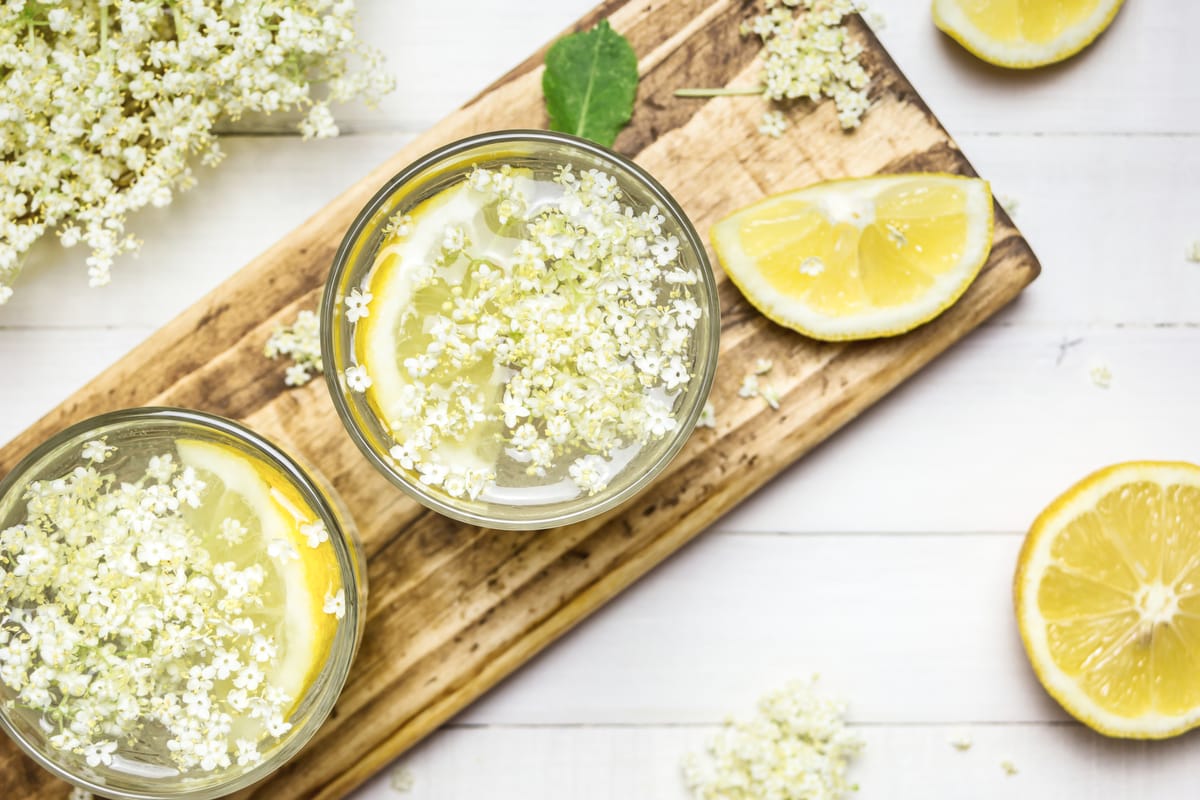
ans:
x=268 y=506
x=859 y=258
x=401 y=307
x=1107 y=596
x=1024 y=33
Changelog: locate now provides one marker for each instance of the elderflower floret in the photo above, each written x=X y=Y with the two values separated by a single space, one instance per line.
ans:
x=797 y=747
x=315 y=533
x=1193 y=252
x=97 y=451
x=301 y=341
x=357 y=378
x=590 y=473
x=357 y=304
x=120 y=626
x=770 y=396
x=401 y=779
x=773 y=124
x=336 y=603
x=708 y=417
x=106 y=106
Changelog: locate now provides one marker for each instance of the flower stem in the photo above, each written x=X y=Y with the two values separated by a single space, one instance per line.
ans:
x=730 y=91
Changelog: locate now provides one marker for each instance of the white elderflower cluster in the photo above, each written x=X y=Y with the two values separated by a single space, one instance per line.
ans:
x=810 y=56
x=121 y=630
x=591 y=319
x=1101 y=374
x=103 y=105
x=302 y=342
x=796 y=748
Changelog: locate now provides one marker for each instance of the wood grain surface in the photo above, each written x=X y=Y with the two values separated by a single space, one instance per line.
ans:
x=453 y=609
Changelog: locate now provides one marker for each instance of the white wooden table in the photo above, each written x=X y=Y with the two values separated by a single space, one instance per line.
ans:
x=883 y=561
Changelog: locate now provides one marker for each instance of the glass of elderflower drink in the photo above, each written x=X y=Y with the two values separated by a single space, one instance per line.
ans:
x=520 y=329
x=182 y=601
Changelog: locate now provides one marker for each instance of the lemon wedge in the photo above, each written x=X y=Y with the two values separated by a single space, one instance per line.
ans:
x=240 y=487
x=1024 y=33
x=1107 y=596
x=859 y=258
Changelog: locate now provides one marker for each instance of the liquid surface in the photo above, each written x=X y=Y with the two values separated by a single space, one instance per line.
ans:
x=526 y=336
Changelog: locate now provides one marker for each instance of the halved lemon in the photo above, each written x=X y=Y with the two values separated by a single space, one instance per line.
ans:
x=859 y=258
x=242 y=488
x=1024 y=33
x=1107 y=596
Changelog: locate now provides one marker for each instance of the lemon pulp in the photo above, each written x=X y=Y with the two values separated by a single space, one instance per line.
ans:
x=266 y=504
x=1108 y=599
x=859 y=258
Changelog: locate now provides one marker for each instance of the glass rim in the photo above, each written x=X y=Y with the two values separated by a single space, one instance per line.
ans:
x=340 y=656
x=360 y=227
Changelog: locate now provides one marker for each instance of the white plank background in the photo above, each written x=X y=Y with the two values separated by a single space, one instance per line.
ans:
x=883 y=560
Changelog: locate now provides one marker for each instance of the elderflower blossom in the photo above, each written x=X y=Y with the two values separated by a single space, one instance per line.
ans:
x=105 y=105
x=336 y=603
x=357 y=378
x=121 y=628
x=591 y=318
x=770 y=396
x=773 y=124
x=708 y=416
x=810 y=56
x=97 y=451
x=796 y=748
x=401 y=779
x=302 y=342
x=590 y=473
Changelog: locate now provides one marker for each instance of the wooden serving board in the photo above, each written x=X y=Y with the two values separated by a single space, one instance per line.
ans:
x=454 y=609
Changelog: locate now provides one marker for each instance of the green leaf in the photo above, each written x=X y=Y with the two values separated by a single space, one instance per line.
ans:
x=590 y=83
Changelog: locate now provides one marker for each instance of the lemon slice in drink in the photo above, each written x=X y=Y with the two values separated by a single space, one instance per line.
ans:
x=1107 y=596
x=1024 y=33
x=403 y=306
x=271 y=510
x=859 y=258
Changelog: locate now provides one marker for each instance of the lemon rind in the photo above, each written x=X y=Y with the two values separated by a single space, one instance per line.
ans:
x=950 y=19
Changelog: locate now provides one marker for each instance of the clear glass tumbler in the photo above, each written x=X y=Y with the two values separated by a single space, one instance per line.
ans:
x=108 y=454
x=419 y=190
